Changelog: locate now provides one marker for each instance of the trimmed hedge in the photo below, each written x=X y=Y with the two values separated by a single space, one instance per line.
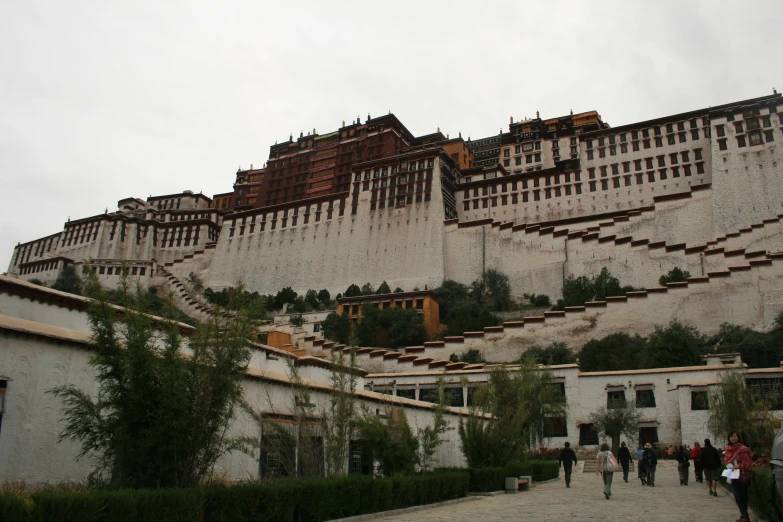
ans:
x=760 y=494
x=310 y=500
x=483 y=480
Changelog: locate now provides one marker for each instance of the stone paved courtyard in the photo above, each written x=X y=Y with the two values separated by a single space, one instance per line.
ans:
x=667 y=501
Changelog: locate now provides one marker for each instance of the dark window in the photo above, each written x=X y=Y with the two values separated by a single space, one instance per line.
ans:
x=615 y=399
x=700 y=400
x=429 y=395
x=407 y=393
x=555 y=427
x=645 y=399
x=588 y=435
x=770 y=390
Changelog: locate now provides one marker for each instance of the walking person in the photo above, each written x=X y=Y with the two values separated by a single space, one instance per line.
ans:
x=650 y=463
x=642 y=470
x=698 y=467
x=682 y=465
x=738 y=456
x=605 y=466
x=567 y=459
x=710 y=461
x=625 y=460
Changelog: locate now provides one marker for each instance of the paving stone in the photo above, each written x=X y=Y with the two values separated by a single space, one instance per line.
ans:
x=584 y=501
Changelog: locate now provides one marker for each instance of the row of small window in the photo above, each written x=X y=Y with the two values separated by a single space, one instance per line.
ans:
x=750 y=123
x=41 y=267
x=548 y=192
x=644 y=399
x=186 y=217
x=752 y=139
x=382 y=172
x=397 y=180
x=23 y=254
x=168 y=203
x=671 y=129
x=133 y=270
x=82 y=233
x=674 y=159
x=180 y=236
x=426 y=187
x=529 y=158
x=400 y=201
x=410 y=304
x=283 y=221
x=549 y=180
x=484 y=153
x=662 y=176
x=645 y=143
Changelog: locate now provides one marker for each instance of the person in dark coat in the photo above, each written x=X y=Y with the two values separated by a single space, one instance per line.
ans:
x=711 y=462
x=650 y=463
x=683 y=463
x=625 y=460
x=567 y=459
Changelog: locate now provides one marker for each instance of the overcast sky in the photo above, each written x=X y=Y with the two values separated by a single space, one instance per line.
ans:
x=100 y=101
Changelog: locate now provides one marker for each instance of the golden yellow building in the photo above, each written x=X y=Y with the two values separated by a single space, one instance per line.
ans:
x=424 y=302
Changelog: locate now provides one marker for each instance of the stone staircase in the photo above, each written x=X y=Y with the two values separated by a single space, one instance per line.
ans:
x=194 y=306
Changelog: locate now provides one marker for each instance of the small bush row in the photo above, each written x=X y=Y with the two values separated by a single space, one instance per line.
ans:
x=760 y=494
x=285 y=501
x=482 y=480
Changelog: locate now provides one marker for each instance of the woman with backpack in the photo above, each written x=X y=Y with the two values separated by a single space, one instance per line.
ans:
x=740 y=457
x=682 y=465
x=606 y=464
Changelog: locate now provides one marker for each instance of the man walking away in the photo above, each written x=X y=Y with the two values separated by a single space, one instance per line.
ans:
x=625 y=460
x=711 y=461
x=567 y=459
x=642 y=472
x=650 y=463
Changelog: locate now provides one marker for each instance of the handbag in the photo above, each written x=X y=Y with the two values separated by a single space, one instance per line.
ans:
x=610 y=463
x=745 y=476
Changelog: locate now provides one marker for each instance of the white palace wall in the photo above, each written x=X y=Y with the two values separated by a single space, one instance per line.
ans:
x=402 y=246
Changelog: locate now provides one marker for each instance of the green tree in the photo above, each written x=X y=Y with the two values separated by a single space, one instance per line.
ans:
x=68 y=281
x=398 y=290
x=367 y=289
x=674 y=345
x=383 y=289
x=388 y=439
x=324 y=296
x=555 y=353
x=605 y=285
x=450 y=294
x=284 y=297
x=469 y=316
x=577 y=291
x=392 y=327
x=160 y=416
x=613 y=422
x=36 y=281
x=617 y=351
x=299 y=305
x=497 y=288
x=521 y=404
x=336 y=327
x=470 y=356
x=675 y=275
x=353 y=291
x=338 y=418
x=735 y=407
x=311 y=298
x=759 y=350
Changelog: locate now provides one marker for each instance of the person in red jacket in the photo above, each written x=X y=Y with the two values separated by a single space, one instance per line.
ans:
x=698 y=468
x=740 y=457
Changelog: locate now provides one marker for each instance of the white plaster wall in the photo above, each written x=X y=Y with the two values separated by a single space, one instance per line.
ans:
x=403 y=246
x=746 y=180
x=29 y=449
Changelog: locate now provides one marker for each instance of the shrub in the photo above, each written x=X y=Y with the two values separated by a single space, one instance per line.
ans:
x=760 y=494
x=296 y=320
x=312 y=500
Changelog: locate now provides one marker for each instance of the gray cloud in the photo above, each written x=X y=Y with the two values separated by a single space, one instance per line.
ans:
x=101 y=101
